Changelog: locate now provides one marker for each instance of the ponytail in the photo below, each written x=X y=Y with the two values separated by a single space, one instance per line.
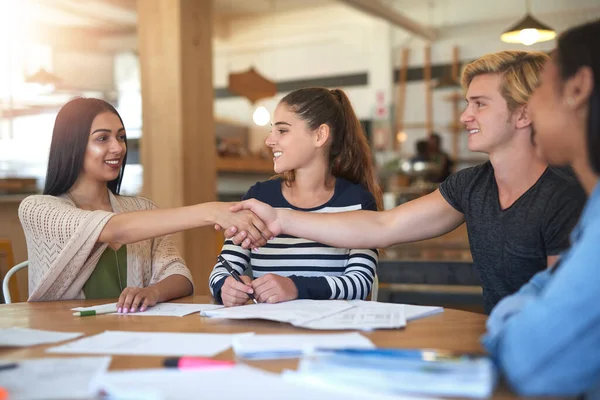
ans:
x=350 y=155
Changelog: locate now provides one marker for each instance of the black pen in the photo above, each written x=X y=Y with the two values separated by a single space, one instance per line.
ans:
x=235 y=274
x=5 y=367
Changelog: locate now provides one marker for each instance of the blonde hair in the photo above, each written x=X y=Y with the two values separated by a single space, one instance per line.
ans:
x=520 y=71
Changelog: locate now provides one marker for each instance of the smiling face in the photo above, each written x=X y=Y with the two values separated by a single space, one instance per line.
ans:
x=106 y=148
x=293 y=143
x=556 y=127
x=487 y=119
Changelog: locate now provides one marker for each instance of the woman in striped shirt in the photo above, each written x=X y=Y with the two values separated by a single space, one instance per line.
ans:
x=323 y=164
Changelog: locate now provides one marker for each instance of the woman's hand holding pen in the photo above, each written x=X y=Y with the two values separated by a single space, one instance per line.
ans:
x=234 y=293
x=265 y=212
x=271 y=288
x=245 y=221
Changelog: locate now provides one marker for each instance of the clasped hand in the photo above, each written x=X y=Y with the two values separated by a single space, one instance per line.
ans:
x=269 y=288
x=269 y=225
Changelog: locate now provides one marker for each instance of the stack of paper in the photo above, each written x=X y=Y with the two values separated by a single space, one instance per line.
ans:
x=262 y=347
x=151 y=343
x=410 y=311
x=54 y=378
x=361 y=317
x=295 y=312
x=160 y=310
x=17 y=337
x=330 y=314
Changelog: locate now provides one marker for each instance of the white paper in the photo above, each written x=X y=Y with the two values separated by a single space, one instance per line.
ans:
x=18 y=337
x=240 y=382
x=161 y=309
x=416 y=312
x=54 y=378
x=295 y=312
x=150 y=343
x=410 y=312
x=361 y=318
x=259 y=347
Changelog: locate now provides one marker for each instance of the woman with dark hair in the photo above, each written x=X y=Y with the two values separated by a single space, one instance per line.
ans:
x=323 y=162
x=546 y=337
x=84 y=240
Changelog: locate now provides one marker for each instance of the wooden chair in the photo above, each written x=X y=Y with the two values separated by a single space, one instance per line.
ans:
x=7 y=261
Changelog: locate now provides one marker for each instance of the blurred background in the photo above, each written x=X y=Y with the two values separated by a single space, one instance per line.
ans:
x=195 y=82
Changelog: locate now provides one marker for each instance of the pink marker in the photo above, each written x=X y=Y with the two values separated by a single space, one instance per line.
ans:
x=196 y=363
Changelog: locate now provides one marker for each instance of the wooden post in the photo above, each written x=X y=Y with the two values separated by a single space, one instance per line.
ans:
x=178 y=140
x=428 y=91
x=456 y=126
x=401 y=101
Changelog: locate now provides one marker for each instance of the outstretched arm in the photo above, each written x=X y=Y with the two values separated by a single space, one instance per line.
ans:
x=424 y=218
x=135 y=226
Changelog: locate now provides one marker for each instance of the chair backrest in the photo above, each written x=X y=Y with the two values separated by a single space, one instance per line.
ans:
x=375 y=288
x=7 y=260
x=6 y=292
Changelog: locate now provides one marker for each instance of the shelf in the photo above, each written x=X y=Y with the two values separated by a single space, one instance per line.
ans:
x=247 y=165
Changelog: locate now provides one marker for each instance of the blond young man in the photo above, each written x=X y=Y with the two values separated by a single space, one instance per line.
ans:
x=519 y=212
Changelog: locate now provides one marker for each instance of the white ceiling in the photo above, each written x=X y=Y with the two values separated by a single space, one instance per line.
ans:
x=119 y=16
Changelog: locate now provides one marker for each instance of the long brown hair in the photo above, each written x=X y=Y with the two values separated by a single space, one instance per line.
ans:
x=350 y=155
x=69 y=141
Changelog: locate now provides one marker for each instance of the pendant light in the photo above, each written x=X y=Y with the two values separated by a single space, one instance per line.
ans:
x=528 y=30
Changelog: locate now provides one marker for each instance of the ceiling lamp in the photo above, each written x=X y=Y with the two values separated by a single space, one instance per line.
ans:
x=528 y=31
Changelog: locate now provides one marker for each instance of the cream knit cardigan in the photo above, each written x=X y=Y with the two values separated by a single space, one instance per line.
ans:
x=63 y=249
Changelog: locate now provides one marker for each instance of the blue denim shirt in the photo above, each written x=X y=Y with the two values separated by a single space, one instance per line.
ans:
x=546 y=337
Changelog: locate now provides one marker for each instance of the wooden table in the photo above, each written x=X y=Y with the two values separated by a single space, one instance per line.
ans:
x=452 y=330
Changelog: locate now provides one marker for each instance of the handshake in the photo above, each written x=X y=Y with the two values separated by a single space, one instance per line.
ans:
x=249 y=223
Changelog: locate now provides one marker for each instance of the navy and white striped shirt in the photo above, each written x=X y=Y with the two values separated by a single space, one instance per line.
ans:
x=319 y=271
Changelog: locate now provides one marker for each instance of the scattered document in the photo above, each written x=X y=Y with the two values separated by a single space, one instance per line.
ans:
x=150 y=344
x=240 y=382
x=417 y=312
x=19 y=337
x=161 y=309
x=361 y=318
x=264 y=347
x=54 y=378
x=392 y=371
x=410 y=312
x=295 y=312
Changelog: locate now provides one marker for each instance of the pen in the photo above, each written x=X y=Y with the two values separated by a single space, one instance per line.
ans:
x=97 y=311
x=235 y=274
x=8 y=366
x=196 y=362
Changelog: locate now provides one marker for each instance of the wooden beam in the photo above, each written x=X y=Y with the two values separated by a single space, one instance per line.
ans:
x=129 y=5
x=76 y=38
x=178 y=150
x=382 y=10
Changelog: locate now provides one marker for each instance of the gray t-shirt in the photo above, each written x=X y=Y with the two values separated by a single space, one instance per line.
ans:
x=510 y=246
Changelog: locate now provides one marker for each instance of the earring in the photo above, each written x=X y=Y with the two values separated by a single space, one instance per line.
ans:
x=570 y=101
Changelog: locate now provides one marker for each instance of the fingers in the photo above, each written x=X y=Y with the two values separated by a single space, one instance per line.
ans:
x=239 y=238
x=229 y=233
x=122 y=300
x=235 y=293
x=218 y=227
x=264 y=231
x=270 y=295
x=242 y=205
x=263 y=288
x=137 y=300
x=236 y=207
x=128 y=299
